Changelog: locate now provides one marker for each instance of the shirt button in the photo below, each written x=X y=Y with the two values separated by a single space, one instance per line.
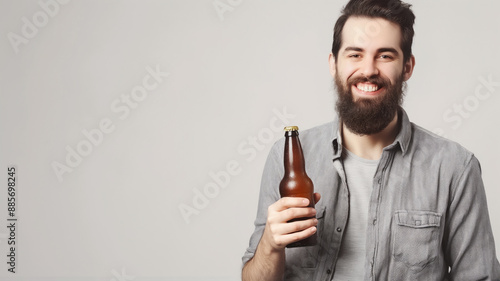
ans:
x=339 y=229
x=374 y=221
x=328 y=271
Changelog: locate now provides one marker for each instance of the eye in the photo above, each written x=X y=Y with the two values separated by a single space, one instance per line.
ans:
x=386 y=57
x=354 y=56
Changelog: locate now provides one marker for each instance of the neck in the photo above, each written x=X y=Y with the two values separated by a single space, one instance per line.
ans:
x=370 y=146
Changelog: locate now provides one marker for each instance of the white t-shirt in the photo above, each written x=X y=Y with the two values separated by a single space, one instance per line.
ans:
x=359 y=175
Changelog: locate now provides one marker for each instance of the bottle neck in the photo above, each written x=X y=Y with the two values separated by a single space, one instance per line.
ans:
x=293 y=158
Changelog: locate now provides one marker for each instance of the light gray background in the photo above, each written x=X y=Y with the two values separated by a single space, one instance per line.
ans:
x=116 y=215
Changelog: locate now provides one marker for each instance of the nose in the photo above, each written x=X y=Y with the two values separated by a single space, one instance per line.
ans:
x=369 y=68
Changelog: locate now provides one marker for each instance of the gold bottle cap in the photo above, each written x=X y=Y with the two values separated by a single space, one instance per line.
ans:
x=291 y=128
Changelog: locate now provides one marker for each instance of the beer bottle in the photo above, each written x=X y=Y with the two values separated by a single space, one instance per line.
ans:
x=295 y=182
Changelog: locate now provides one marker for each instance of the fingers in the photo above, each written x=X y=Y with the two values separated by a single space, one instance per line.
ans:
x=296 y=226
x=295 y=213
x=278 y=235
x=289 y=208
x=288 y=202
x=310 y=228
x=282 y=228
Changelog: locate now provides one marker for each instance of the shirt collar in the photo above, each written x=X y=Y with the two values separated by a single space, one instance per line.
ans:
x=402 y=139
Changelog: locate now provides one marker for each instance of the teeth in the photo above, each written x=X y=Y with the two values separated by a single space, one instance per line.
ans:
x=367 y=88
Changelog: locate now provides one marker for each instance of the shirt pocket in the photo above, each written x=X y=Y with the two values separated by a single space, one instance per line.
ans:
x=416 y=238
x=306 y=257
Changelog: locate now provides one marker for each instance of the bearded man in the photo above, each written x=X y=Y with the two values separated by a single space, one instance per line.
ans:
x=397 y=202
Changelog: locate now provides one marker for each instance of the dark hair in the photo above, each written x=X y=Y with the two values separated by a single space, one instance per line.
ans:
x=392 y=10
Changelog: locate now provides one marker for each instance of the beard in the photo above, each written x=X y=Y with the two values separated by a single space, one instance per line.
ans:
x=367 y=116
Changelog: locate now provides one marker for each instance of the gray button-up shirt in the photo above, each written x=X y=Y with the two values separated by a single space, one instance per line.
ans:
x=427 y=220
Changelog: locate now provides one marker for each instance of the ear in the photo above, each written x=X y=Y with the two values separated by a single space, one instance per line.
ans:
x=408 y=68
x=331 y=62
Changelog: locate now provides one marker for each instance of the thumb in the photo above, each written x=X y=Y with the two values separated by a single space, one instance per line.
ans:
x=317 y=197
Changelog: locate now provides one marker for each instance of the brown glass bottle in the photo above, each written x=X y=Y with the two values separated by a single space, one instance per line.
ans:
x=296 y=182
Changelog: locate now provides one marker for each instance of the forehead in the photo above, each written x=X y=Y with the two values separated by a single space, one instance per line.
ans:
x=371 y=33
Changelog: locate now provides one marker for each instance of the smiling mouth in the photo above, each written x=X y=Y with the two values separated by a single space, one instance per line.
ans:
x=367 y=87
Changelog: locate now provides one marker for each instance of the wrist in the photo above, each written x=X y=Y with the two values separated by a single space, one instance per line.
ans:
x=269 y=249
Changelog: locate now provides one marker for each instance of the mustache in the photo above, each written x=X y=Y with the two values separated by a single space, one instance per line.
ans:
x=377 y=80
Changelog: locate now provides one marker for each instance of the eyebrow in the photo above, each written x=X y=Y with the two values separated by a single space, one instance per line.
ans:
x=381 y=50
x=389 y=50
x=355 y=49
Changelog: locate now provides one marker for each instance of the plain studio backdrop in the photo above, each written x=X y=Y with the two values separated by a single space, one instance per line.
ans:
x=139 y=129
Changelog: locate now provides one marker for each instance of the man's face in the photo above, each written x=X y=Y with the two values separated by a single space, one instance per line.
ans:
x=369 y=73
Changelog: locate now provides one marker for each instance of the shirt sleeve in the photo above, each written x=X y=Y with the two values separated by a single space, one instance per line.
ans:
x=269 y=193
x=470 y=248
